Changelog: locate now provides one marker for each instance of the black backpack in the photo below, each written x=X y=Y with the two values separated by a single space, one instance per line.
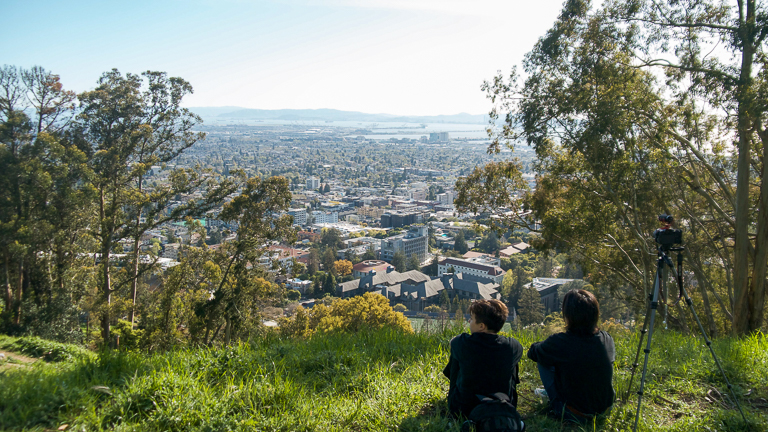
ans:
x=494 y=414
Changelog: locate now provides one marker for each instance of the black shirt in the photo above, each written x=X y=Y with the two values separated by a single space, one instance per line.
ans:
x=481 y=364
x=583 y=368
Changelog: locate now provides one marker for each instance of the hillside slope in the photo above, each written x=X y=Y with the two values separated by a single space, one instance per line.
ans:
x=363 y=382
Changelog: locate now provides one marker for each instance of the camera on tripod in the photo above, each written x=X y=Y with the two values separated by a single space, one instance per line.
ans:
x=667 y=236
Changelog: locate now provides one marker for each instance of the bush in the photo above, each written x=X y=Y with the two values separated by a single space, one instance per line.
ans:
x=399 y=308
x=293 y=295
x=433 y=308
x=366 y=312
x=129 y=338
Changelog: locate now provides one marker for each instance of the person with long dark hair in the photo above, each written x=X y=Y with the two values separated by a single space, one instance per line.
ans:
x=576 y=366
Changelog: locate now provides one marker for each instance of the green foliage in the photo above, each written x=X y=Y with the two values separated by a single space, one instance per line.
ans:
x=369 y=254
x=366 y=312
x=129 y=337
x=293 y=295
x=432 y=268
x=433 y=308
x=460 y=244
x=399 y=308
x=47 y=350
x=530 y=311
x=329 y=285
x=490 y=242
x=413 y=263
x=331 y=238
x=398 y=261
x=609 y=120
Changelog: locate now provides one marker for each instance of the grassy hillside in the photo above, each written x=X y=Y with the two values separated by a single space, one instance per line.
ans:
x=360 y=382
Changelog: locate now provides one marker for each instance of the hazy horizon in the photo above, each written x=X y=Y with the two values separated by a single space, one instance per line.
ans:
x=405 y=57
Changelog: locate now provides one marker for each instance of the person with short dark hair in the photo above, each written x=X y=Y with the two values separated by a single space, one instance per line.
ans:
x=576 y=367
x=483 y=362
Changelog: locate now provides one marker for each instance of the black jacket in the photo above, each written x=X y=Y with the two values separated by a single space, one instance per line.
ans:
x=481 y=364
x=583 y=368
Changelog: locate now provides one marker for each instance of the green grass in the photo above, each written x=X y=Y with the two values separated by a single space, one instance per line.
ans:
x=361 y=382
x=44 y=349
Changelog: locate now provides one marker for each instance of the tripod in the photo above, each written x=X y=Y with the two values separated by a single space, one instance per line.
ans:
x=650 y=316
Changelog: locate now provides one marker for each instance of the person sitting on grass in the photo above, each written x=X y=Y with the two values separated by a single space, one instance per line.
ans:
x=483 y=362
x=576 y=367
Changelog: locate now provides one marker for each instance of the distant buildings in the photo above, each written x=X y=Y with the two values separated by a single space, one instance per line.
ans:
x=416 y=290
x=415 y=241
x=439 y=137
x=445 y=198
x=313 y=183
x=371 y=212
x=547 y=288
x=513 y=249
x=474 y=268
x=298 y=284
x=418 y=194
x=364 y=268
x=299 y=216
x=321 y=217
x=398 y=219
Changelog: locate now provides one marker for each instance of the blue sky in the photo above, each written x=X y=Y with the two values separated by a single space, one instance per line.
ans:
x=409 y=57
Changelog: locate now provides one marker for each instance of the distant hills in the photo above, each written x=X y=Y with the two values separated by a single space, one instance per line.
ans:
x=329 y=115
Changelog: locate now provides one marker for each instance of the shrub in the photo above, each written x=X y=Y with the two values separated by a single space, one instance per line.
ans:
x=129 y=338
x=433 y=308
x=399 y=308
x=367 y=312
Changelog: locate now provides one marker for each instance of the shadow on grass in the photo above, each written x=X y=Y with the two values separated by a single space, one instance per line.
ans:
x=431 y=417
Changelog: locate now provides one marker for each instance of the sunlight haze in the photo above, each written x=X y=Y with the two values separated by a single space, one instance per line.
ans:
x=414 y=57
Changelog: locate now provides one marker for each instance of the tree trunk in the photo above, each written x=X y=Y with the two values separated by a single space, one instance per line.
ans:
x=19 y=286
x=744 y=297
x=8 y=288
x=135 y=276
x=761 y=251
x=106 y=292
x=135 y=281
x=106 y=283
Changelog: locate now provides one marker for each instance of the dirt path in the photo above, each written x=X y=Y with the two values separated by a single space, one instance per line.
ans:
x=13 y=360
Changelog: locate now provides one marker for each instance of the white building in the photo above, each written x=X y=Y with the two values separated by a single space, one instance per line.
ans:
x=471 y=267
x=321 y=217
x=313 y=183
x=445 y=198
x=299 y=216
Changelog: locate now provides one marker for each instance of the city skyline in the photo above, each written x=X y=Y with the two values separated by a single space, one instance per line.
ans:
x=418 y=57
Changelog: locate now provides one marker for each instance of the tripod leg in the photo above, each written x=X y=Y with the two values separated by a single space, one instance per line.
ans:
x=647 y=350
x=689 y=302
x=639 y=346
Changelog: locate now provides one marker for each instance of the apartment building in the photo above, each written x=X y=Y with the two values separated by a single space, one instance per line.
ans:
x=299 y=216
x=415 y=241
x=471 y=268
